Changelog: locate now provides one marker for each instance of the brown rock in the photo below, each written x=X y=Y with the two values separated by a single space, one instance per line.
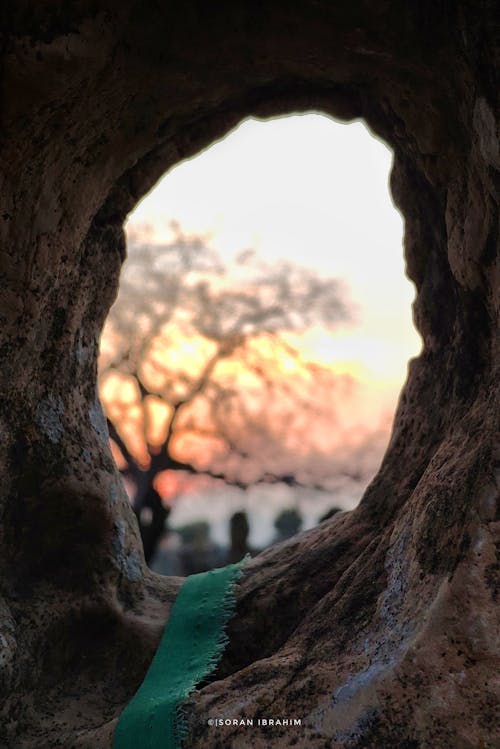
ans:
x=378 y=628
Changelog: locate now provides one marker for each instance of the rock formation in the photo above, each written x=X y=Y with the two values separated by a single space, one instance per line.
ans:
x=377 y=628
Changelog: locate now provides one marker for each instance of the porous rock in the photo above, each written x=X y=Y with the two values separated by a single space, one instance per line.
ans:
x=376 y=629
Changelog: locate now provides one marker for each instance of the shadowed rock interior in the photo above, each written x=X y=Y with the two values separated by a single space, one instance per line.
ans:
x=377 y=628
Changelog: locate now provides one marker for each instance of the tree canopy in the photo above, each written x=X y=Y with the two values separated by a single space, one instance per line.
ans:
x=198 y=377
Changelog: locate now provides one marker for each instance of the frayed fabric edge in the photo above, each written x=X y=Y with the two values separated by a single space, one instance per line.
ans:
x=227 y=610
x=191 y=647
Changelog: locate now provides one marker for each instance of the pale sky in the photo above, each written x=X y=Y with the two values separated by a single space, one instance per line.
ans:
x=314 y=191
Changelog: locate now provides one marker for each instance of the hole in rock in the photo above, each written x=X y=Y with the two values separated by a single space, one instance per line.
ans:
x=252 y=362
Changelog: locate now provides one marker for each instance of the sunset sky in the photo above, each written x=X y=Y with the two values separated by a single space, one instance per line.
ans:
x=313 y=191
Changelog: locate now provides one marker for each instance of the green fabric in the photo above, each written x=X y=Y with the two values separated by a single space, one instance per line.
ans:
x=191 y=646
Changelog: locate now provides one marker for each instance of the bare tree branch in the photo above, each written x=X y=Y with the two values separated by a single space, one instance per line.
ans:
x=180 y=295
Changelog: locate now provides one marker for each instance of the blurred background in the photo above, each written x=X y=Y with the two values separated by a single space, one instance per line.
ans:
x=252 y=362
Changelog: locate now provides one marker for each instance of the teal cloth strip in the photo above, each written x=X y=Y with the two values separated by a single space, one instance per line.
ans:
x=191 y=646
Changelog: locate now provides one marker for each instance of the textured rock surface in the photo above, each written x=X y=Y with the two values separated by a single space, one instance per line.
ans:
x=378 y=628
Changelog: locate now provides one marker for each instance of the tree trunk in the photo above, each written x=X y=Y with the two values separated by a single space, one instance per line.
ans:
x=376 y=628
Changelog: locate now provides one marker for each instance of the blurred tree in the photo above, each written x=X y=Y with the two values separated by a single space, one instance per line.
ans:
x=287 y=523
x=239 y=529
x=196 y=376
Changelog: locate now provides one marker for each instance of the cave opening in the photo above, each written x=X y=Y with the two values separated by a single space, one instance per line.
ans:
x=251 y=365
